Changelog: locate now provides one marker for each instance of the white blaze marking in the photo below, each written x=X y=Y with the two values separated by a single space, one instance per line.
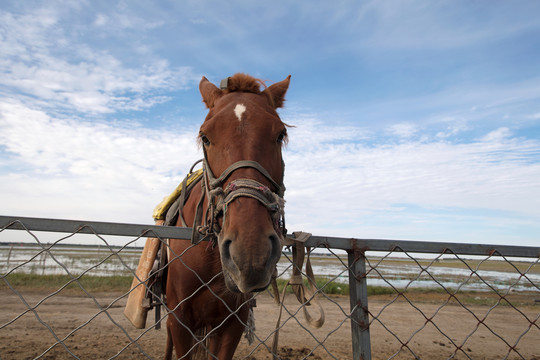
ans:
x=239 y=110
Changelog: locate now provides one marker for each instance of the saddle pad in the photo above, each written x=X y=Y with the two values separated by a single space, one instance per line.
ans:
x=161 y=210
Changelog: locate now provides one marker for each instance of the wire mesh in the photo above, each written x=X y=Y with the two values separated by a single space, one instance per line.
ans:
x=62 y=301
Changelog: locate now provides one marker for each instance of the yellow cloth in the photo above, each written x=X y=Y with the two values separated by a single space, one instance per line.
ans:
x=161 y=210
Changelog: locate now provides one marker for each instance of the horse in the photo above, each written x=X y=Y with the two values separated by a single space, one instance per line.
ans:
x=239 y=208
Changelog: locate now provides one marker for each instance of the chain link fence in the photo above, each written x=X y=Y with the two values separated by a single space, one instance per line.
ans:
x=64 y=285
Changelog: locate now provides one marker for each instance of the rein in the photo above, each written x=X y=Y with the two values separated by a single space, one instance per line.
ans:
x=219 y=198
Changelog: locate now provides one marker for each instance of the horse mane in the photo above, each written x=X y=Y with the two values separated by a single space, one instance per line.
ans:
x=245 y=83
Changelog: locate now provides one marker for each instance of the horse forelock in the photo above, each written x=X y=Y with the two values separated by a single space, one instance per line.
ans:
x=244 y=83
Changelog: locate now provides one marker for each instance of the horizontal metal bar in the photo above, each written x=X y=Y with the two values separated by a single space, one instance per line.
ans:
x=431 y=247
x=91 y=227
x=348 y=244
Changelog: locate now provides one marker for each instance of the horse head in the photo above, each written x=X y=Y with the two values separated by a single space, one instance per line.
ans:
x=242 y=138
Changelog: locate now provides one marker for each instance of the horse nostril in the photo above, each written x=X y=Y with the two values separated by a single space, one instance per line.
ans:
x=274 y=240
x=225 y=248
x=276 y=245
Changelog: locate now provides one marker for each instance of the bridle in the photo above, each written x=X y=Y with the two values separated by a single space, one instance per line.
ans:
x=219 y=198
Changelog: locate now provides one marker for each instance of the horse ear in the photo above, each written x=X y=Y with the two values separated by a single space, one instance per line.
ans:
x=276 y=92
x=210 y=93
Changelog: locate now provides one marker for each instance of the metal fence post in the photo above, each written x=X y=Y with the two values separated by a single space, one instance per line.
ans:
x=359 y=305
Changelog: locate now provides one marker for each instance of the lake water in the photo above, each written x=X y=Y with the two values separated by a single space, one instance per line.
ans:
x=104 y=261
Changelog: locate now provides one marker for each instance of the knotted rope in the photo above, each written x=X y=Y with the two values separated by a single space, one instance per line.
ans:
x=253 y=189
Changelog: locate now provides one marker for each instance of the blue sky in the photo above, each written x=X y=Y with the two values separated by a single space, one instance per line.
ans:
x=414 y=119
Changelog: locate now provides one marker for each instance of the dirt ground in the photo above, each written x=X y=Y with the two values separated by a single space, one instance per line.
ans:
x=400 y=330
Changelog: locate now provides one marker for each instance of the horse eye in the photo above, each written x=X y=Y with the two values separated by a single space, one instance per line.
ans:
x=281 y=137
x=204 y=140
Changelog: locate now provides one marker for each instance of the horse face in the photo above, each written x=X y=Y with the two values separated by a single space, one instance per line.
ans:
x=242 y=124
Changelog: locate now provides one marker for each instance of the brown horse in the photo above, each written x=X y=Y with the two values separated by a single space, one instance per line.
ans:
x=239 y=207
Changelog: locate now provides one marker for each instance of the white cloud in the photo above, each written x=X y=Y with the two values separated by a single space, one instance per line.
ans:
x=342 y=180
x=40 y=59
x=124 y=19
x=67 y=169
x=330 y=185
x=452 y=126
x=403 y=130
x=101 y=20
x=305 y=126
x=63 y=168
x=449 y=112
x=497 y=135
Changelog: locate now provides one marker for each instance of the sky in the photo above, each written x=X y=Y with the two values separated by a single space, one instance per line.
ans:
x=415 y=120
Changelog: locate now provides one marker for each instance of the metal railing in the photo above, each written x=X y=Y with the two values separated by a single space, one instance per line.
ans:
x=407 y=273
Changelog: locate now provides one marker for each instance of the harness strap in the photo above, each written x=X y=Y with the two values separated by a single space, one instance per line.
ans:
x=184 y=194
x=306 y=295
x=197 y=222
x=218 y=198
x=216 y=182
x=181 y=202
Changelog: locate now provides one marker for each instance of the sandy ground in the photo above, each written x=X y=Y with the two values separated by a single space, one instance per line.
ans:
x=400 y=330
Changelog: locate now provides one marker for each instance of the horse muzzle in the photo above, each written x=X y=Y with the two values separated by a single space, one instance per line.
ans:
x=249 y=259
